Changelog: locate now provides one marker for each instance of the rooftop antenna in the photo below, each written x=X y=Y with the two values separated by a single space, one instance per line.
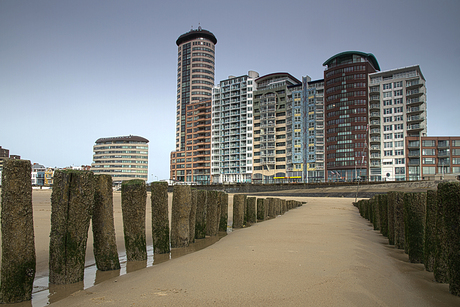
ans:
x=199 y=26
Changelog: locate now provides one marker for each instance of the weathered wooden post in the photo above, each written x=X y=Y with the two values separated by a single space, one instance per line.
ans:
x=193 y=216
x=18 y=245
x=223 y=211
x=212 y=223
x=201 y=214
x=180 y=221
x=104 y=238
x=238 y=210
x=441 y=269
x=398 y=203
x=160 y=217
x=133 y=206
x=283 y=206
x=72 y=202
x=375 y=212
x=391 y=199
x=271 y=207
x=251 y=210
x=261 y=212
x=383 y=214
x=430 y=230
x=414 y=223
x=449 y=193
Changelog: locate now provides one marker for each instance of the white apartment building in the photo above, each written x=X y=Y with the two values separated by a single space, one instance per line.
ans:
x=397 y=109
x=232 y=129
x=122 y=157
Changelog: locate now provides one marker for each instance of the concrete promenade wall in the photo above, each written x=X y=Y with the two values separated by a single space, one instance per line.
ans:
x=362 y=188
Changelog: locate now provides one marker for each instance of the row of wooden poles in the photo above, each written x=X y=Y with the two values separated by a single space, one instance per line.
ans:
x=79 y=197
x=426 y=225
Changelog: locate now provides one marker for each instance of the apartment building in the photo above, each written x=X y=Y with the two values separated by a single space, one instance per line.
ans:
x=432 y=157
x=232 y=129
x=346 y=109
x=195 y=75
x=397 y=109
x=270 y=127
x=194 y=163
x=122 y=157
x=314 y=154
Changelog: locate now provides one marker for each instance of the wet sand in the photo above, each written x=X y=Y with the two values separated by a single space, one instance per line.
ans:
x=321 y=254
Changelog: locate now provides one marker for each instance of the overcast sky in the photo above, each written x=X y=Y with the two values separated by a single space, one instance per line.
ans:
x=74 y=71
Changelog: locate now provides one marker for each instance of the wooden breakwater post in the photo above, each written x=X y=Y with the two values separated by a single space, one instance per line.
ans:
x=213 y=213
x=440 y=267
x=391 y=217
x=414 y=223
x=160 y=217
x=239 y=201
x=104 y=238
x=430 y=230
x=251 y=217
x=223 y=197
x=18 y=245
x=271 y=207
x=133 y=206
x=194 y=194
x=396 y=199
x=180 y=218
x=383 y=214
x=201 y=213
x=449 y=194
x=72 y=202
x=261 y=212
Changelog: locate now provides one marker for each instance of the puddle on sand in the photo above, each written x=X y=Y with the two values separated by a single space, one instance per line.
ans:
x=45 y=293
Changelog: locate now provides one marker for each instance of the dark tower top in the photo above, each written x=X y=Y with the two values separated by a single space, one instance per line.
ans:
x=192 y=34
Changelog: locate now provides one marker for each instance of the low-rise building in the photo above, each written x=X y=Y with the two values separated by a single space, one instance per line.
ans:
x=122 y=157
x=432 y=157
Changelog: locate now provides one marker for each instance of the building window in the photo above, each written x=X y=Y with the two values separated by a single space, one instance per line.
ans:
x=387 y=102
x=400 y=161
x=429 y=152
x=388 y=136
x=429 y=170
x=388 y=153
x=397 y=84
x=387 y=86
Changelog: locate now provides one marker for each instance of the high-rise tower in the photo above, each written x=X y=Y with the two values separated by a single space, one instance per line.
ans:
x=346 y=108
x=191 y=160
x=195 y=75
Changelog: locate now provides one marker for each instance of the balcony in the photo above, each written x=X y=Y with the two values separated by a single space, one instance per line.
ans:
x=375 y=164
x=416 y=127
x=443 y=144
x=375 y=106
x=374 y=98
x=375 y=122
x=375 y=156
x=375 y=139
x=415 y=118
x=414 y=110
x=414 y=101
x=443 y=153
x=413 y=83
x=375 y=148
x=374 y=114
x=375 y=131
x=414 y=93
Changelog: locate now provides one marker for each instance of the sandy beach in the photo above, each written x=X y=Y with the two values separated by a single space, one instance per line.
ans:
x=320 y=254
